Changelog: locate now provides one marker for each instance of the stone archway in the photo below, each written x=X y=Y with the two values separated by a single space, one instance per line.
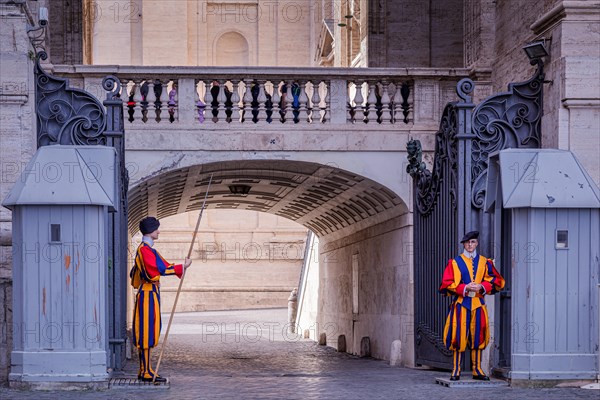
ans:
x=364 y=228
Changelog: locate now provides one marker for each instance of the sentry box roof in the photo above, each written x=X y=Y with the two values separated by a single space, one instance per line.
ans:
x=67 y=175
x=539 y=178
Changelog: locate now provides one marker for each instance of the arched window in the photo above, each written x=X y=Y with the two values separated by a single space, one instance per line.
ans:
x=231 y=49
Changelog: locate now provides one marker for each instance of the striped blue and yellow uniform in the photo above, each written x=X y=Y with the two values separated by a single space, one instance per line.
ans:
x=150 y=266
x=146 y=313
x=467 y=324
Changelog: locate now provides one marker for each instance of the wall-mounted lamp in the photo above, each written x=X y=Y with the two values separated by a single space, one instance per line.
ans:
x=536 y=50
x=240 y=189
x=37 y=35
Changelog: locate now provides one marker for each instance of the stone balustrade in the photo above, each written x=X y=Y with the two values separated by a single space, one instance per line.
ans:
x=243 y=97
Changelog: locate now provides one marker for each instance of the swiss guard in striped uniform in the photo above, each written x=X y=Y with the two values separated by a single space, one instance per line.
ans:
x=469 y=277
x=145 y=276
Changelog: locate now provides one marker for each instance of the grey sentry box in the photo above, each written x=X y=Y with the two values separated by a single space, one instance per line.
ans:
x=60 y=212
x=547 y=225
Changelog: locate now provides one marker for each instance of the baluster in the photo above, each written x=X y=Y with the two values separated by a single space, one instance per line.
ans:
x=247 y=101
x=303 y=100
x=221 y=98
x=405 y=92
x=289 y=103
x=172 y=103
x=371 y=111
x=349 y=101
x=284 y=102
x=144 y=92
x=358 y=104
x=151 y=100
x=137 y=98
x=326 y=107
x=208 y=99
x=386 y=107
x=275 y=99
x=261 y=99
x=235 y=100
x=315 y=111
x=162 y=99
x=129 y=103
x=396 y=101
x=200 y=105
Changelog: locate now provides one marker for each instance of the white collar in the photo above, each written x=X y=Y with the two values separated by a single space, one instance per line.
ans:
x=148 y=240
x=470 y=255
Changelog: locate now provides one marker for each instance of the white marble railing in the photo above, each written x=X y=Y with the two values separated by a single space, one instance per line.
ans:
x=231 y=96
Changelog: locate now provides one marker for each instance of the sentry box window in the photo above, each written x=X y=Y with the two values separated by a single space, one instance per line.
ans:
x=562 y=239
x=54 y=233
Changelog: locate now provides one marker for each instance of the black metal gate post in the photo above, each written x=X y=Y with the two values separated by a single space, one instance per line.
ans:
x=449 y=200
x=440 y=209
x=117 y=293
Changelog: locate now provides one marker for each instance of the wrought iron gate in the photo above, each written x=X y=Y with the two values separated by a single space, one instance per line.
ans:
x=70 y=116
x=448 y=201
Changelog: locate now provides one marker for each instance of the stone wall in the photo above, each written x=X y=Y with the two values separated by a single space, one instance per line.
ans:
x=65 y=38
x=5 y=328
x=241 y=260
x=17 y=144
x=366 y=289
x=417 y=34
x=572 y=94
x=184 y=33
x=513 y=21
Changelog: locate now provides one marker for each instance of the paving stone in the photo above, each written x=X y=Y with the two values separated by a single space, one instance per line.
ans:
x=250 y=355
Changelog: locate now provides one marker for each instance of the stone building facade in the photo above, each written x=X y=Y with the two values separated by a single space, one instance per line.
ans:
x=485 y=37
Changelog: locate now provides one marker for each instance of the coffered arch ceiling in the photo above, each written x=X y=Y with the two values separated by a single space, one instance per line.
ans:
x=323 y=198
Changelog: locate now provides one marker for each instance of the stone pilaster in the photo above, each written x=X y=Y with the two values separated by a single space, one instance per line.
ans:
x=17 y=143
x=572 y=98
x=479 y=45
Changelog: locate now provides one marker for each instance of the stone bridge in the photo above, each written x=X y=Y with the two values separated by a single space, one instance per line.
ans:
x=323 y=147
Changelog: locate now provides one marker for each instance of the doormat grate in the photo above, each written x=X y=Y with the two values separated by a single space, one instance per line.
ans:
x=135 y=383
x=467 y=382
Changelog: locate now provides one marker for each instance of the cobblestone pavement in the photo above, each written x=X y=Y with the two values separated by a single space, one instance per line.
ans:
x=249 y=355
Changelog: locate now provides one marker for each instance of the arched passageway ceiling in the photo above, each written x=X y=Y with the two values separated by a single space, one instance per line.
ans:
x=325 y=199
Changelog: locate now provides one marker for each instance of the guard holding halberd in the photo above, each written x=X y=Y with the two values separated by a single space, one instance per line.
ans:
x=145 y=276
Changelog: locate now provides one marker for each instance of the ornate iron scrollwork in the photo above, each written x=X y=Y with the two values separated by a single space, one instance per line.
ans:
x=112 y=85
x=505 y=120
x=446 y=151
x=66 y=115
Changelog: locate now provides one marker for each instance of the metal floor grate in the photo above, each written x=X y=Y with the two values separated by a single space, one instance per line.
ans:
x=134 y=383
x=467 y=382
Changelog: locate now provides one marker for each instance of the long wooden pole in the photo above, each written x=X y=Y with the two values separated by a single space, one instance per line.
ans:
x=189 y=255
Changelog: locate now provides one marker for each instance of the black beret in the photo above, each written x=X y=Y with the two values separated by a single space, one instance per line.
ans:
x=469 y=236
x=149 y=225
